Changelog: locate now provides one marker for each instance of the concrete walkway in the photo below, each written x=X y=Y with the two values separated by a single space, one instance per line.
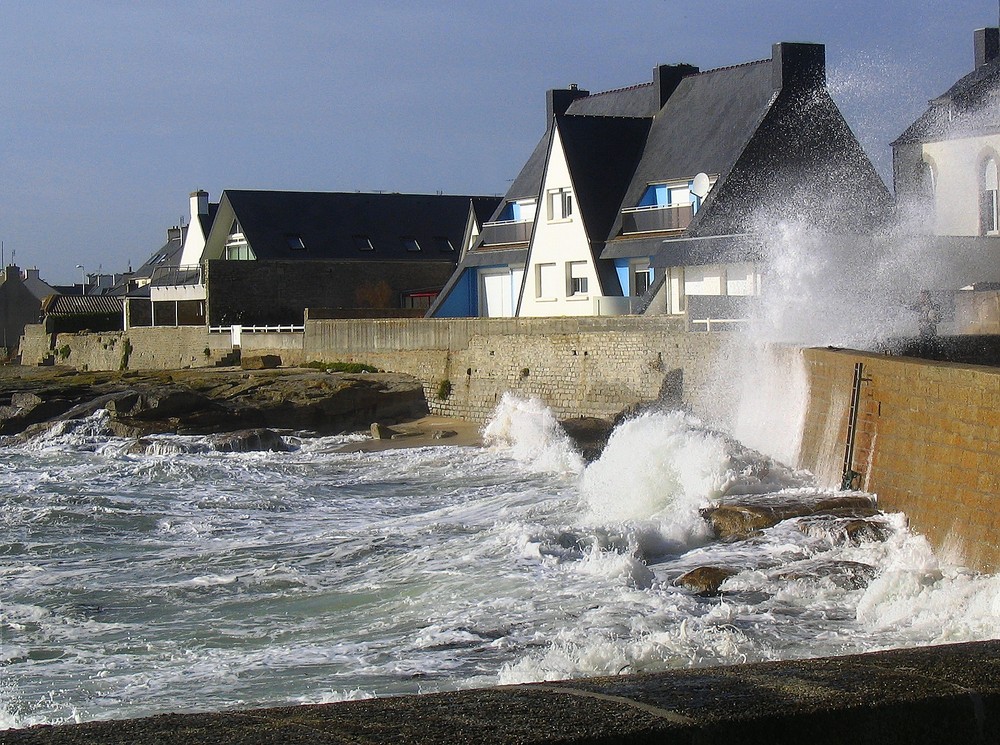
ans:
x=947 y=694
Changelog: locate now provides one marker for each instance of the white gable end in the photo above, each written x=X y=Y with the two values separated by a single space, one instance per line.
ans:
x=560 y=278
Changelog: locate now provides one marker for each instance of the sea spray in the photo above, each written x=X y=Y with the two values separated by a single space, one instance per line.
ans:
x=532 y=434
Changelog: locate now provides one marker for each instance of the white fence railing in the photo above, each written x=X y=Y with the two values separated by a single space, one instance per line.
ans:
x=257 y=329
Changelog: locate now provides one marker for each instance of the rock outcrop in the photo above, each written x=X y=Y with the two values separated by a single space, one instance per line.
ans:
x=207 y=401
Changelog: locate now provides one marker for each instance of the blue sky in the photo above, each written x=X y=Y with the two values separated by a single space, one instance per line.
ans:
x=112 y=112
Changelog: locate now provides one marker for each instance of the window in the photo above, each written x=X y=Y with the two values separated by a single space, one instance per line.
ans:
x=546 y=281
x=642 y=278
x=560 y=204
x=443 y=244
x=362 y=243
x=295 y=242
x=237 y=248
x=576 y=278
x=410 y=244
x=989 y=219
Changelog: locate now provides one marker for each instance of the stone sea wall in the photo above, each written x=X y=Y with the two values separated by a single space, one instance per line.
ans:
x=578 y=367
x=927 y=442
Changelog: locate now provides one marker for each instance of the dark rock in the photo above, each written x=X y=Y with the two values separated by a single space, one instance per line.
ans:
x=848 y=575
x=589 y=435
x=738 y=520
x=442 y=434
x=250 y=440
x=260 y=362
x=165 y=402
x=846 y=529
x=705 y=580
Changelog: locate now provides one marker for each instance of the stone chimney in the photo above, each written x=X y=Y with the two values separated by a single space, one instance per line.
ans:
x=199 y=204
x=174 y=233
x=666 y=78
x=987 y=45
x=798 y=66
x=557 y=100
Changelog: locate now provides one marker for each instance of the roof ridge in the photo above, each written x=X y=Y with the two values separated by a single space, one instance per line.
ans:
x=733 y=67
x=619 y=90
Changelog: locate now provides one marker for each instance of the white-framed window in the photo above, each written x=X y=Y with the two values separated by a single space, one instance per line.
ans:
x=546 y=281
x=989 y=217
x=576 y=278
x=560 y=204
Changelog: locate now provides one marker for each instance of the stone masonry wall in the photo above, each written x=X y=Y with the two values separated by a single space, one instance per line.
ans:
x=578 y=367
x=927 y=443
x=137 y=349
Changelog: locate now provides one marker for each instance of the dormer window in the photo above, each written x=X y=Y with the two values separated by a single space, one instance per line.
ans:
x=989 y=217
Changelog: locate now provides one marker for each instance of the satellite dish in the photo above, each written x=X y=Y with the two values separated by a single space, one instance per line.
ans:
x=701 y=185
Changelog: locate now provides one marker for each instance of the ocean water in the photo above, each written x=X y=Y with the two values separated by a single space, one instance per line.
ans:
x=181 y=579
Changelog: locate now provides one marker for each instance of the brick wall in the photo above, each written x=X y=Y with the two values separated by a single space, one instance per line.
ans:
x=927 y=443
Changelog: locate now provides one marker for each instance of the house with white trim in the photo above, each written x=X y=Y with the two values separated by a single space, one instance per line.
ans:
x=639 y=198
x=945 y=170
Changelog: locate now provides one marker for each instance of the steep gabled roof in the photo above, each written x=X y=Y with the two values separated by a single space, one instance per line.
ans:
x=601 y=153
x=970 y=107
x=633 y=101
x=703 y=127
x=293 y=225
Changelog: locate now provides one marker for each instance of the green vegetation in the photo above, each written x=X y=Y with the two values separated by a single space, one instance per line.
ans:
x=63 y=351
x=346 y=367
x=444 y=390
x=126 y=353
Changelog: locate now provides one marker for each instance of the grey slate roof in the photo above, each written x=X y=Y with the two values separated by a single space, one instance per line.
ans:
x=704 y=126
x=327 y=223
x=633 y=101
x=970 y=107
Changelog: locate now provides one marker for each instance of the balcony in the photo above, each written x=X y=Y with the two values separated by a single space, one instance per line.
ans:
x=176 y=276
x=656 y=218
x=506 y=231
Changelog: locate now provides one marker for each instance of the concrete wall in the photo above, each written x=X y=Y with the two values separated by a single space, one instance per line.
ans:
x=579 y=367
x=927 y=443
x=136 y=349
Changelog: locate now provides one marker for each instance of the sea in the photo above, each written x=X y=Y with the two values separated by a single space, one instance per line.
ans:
x=181 y=579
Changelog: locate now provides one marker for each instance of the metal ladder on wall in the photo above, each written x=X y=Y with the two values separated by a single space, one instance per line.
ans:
x=849 y=474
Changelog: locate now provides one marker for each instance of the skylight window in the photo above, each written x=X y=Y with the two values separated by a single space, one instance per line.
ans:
x=363 y=243
x=443 y=244
x=410 y=243
x=295 y=242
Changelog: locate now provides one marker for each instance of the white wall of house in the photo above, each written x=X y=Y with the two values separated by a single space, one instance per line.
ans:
x=717 y=279
x=194 y=239
x=560 y=276
x=956 y=168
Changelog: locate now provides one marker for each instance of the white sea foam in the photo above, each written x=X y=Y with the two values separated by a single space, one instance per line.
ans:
x=532 y=434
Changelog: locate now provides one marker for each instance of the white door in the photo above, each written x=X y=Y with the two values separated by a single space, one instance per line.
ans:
x=495 y=294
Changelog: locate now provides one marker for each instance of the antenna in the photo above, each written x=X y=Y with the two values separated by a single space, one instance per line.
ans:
x=701 y=185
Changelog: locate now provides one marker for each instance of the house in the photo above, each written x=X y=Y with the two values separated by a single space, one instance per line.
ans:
x=945 y=169
x=21 y=297
x=641 y=197
x=260 y=258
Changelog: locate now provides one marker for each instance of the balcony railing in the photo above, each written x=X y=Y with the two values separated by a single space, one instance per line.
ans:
x=507 y=231
x=176 y=276
x=656 y=218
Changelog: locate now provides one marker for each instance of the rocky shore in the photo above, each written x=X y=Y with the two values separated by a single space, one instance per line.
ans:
x=211 y=401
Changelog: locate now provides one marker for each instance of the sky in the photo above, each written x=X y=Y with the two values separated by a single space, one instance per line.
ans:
x=112 y=112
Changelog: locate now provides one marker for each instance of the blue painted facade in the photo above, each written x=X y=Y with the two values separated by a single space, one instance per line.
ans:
x=463 y=300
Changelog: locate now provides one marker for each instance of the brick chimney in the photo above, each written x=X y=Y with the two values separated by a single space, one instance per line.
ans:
x=798 y=66
x=557 y=100
x=987 y=45
x=666 y=78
